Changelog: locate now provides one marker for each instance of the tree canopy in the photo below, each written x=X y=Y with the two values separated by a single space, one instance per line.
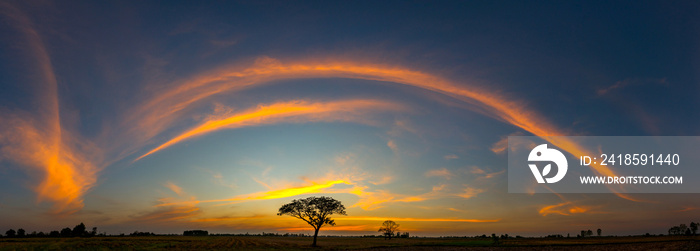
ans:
x=315 y=211
x=389 y=227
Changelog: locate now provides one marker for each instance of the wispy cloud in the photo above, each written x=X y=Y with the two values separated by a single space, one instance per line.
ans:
x=416 y=219
x=392 y=145
x=273 y=194
x=442 y=172
x=174 y=188
x=182 y=207
x=483 y=174
x=470 y=192
x=564 y=208
x=451 y=156
x=630 y=82
x=290 y=112
x=37 y=140
x=502 y=145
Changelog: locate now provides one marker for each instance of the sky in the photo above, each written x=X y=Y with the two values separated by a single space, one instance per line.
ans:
x=166 y=116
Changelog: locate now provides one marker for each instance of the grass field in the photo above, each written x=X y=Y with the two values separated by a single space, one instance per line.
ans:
x=346 y=243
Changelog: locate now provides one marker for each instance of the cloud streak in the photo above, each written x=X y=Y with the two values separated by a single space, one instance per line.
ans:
x=417 y=219
x=290 y=112
x=37 y=139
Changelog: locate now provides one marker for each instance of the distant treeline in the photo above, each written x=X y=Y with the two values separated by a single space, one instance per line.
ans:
x=80 y=230
x=682 y=229
x=77 y=231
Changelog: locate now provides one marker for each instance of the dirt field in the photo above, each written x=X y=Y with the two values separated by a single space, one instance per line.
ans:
x=346 y=243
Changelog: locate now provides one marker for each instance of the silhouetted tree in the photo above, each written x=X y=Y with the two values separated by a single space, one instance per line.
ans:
x=66 y=232
x=589 y=233
x=599 y=232
x=693 y=227
x=682 y=228
x=583 y=233
x=198 y=233
x=10 y=233
x=388 y=228
x=93 y=232
x=137 y=233
x=79 y=230
x=315 y=211
x=55 y=234
x=21 y=232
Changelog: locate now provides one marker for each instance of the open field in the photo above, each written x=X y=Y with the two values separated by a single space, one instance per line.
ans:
x=346 y=243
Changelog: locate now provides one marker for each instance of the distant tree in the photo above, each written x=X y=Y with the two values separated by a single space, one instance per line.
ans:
x=405 y=235
x=66 y=232
x=589 y=233
x=55 y=234
x=693 y=227
x=198 y=233
x=137 y=233
x=93 y=232
x=583 y=233
x=599 y=232
x=388 y=228
x=79 y=230
x=682 y=228
x=21 y=232
x=315 y=211
x=10 y=233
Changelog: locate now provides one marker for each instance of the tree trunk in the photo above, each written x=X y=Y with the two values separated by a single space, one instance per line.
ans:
x=315 y=235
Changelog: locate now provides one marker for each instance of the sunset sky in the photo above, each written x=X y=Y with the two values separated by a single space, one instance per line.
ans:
x=170 y=116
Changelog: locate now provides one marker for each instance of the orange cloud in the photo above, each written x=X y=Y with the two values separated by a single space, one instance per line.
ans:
x=443 y=172
x=294 y=111
x=228 y=218
x=174 y=188
x=470 y=192
x=289 y=192
x=451 y=156
x=36 y=139
x=183 y=207
x=174 y=212
x=370 y=200
x=415 y=219
x=158 y=111
x=274 y=194
x=392 y=145
x=564 y=208
x=333 y=228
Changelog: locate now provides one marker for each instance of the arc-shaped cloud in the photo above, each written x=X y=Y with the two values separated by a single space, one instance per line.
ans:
x=159 y=111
